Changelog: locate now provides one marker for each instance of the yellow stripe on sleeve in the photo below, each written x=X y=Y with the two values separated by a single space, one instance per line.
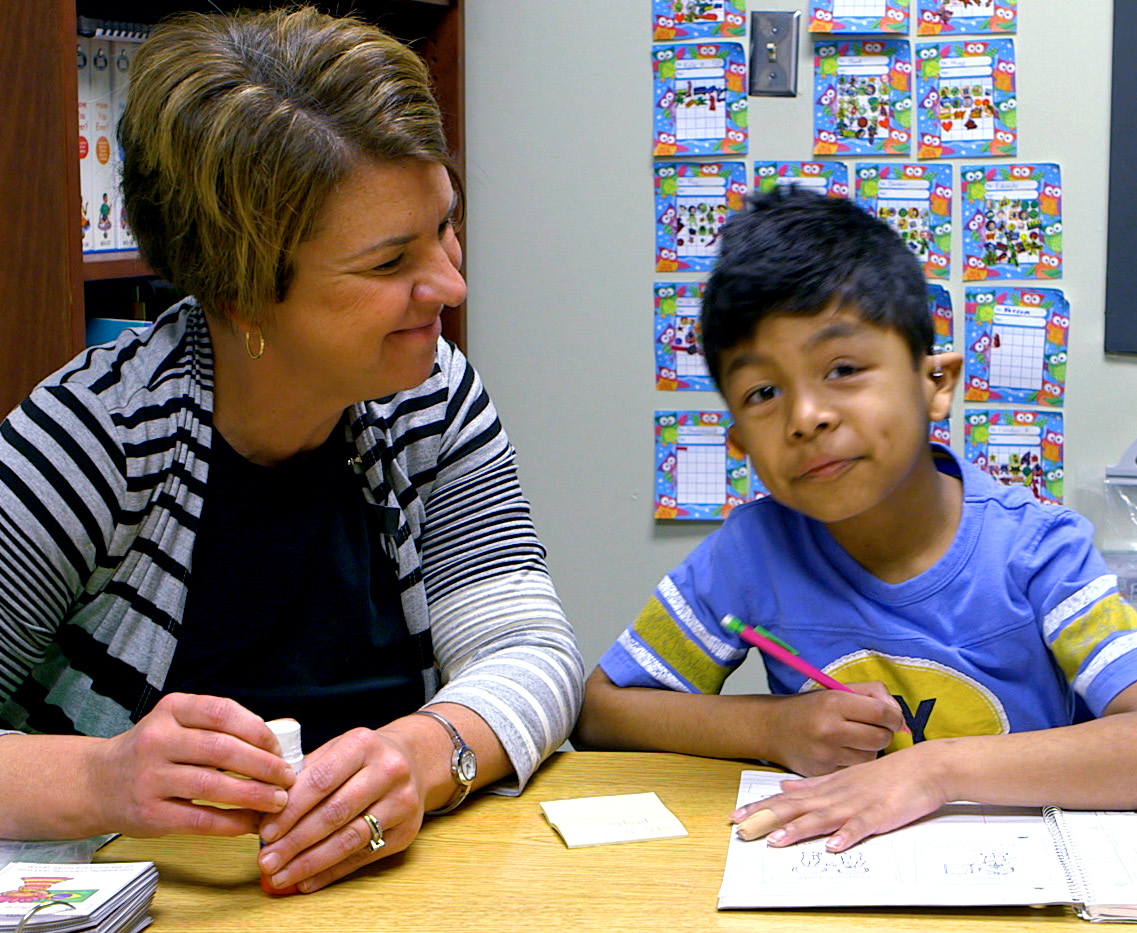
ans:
x=1081 y=636
x=662 y=634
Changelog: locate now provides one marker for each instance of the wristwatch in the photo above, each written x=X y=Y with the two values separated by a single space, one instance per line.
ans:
x=463 y=764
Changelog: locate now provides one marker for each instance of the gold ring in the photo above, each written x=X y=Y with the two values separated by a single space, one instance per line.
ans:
x=376 y=841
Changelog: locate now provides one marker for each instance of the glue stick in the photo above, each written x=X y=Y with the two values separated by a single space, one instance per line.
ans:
x=287 y=732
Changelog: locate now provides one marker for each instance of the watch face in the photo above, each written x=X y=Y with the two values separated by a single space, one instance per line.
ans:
x=467 y=766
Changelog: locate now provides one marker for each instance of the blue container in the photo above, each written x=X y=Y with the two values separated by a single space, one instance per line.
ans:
x=107 y=329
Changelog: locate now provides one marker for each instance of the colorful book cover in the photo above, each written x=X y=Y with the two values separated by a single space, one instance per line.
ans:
x=86 y=152
x=692 y=201
x=1018 y=448
x=698 y=19
x=966 y=104
x=863 y=102
x=103 y=158
x=1012 y=221
x=943 y=341
x=863 y=16
x=831 y=178
x=699 y=474
x=122 y=59
x=679 y=362
x=700 y=99
x=915 y=200
x=973 y=17
x=1017 y=343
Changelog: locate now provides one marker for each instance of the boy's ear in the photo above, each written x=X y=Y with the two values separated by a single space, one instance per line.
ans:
x=941 y=373
x=732 y=436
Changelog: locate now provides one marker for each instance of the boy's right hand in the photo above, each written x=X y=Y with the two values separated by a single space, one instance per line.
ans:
x=823 y=730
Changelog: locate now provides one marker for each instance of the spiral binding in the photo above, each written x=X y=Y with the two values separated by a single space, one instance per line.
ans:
x=112 y=29
x=1071 y=866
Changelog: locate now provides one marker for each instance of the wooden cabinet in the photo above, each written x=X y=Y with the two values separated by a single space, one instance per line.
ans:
x=43 y=271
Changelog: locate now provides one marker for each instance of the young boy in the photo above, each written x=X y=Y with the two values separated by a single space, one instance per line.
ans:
x=957 y=609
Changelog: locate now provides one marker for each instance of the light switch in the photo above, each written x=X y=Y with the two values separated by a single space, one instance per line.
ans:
x=773 y=53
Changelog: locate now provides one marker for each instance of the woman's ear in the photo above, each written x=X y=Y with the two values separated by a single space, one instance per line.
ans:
x=941 y=373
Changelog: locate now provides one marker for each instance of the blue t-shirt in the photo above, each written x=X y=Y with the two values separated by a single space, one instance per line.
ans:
x=1018 y=626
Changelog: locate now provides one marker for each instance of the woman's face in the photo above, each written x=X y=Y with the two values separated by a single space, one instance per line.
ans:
x=362 y=315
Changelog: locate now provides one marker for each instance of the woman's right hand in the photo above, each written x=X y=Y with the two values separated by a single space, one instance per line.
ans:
x=155 y=778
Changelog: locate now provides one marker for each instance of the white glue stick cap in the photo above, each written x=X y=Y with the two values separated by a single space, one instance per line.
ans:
x=287 y=732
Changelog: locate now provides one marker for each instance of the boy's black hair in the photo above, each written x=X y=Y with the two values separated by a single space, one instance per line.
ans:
x=793 y=251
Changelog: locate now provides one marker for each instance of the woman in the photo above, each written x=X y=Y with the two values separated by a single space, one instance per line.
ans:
x=288 y=497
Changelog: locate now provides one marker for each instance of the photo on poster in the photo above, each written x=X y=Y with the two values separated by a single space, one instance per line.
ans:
x=970 y=17
x=698 y=19
x=862 y=97
x=1018 y=448
x=915 y=200
x=830 y=178
x=859 y=16
x=1012 y=221
x=700 y=99
x=1017 y=343
x=679 y=362
x=943 y=341
x=692 y=202
x=965 y=99
x=699 y=474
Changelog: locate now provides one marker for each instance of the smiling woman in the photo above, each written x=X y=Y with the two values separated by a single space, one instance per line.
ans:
x=276 y=501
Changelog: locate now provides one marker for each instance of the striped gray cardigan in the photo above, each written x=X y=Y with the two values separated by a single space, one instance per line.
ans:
x=102 y=472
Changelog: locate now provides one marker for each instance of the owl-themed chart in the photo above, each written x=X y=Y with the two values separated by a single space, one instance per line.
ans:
x=970 y=17
x=698 y=19
x=943 y=341
x=699 y=474
x=862 y=102
x=861 y=16
x=692 y=201
x=915 y=200
x=1012 y=221
x=965 y=95
x=1018 y=447
x=831 y=178
x=700 y=99
x=679 y=361
x=1017 y=343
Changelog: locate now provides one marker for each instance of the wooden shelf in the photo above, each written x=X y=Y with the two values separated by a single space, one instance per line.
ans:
x=118 y=265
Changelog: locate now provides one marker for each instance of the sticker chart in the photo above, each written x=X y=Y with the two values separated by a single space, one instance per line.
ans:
x=698 y=19
x=862 y=102
x=915 y=200
x=831 y=178
x=943 y=341
x=1012 y=220
x=699 y=475
x=700 y=99
x=692 y=200
x=974 y=17
x=871 y=16
x=1018 y=448
x=679 y=362
x=1017 y=344
x=966 y=103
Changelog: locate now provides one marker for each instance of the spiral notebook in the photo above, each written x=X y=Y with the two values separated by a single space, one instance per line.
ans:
x=964 y=855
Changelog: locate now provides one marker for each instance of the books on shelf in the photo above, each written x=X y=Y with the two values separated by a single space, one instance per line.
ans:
x=57 y=897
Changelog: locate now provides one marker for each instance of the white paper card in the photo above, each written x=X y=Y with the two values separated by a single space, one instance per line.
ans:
x=596 y=821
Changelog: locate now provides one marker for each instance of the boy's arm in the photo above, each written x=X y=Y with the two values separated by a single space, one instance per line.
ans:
x=810 y=733
x=1092 y=765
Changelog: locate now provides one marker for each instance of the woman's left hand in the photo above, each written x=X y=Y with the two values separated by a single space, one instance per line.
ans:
x=321 y=835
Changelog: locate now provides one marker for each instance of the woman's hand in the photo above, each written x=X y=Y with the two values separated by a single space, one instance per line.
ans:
x=146 y=779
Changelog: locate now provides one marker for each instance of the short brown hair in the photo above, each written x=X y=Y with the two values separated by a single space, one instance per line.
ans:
x=236 y=130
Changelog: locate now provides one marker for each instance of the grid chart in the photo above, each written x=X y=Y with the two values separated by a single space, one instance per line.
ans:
x=843 y=8
x=701 y=203
x=689 y=359
x=1014 y=454
x=863 y=110
x=909 y=218
x=966 y=108
x=1018 y=345
x=700 y=98
x=701 y=465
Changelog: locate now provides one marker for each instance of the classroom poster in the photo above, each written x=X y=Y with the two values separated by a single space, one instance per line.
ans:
x=965 y=94
x=943 y=341
x=1018 y=448
x=692 y=201
x=830 y=178
x=1017 y=342
x=862 y=102
x=973 y=17
x=861 y=16
x=915 y=200
x=700 y=475
x=700 y=99
x=698 y=19
x=679 y=362
x=1012 y=221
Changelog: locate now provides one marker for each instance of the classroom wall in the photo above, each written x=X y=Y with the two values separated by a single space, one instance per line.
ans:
x=560 y=256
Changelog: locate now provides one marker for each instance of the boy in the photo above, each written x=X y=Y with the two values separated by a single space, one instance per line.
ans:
x=957 y=609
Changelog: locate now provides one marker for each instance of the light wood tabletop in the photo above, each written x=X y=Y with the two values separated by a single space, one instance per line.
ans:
x=496 y=866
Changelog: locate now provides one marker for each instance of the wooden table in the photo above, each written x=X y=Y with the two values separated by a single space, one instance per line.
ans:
x=496 y=866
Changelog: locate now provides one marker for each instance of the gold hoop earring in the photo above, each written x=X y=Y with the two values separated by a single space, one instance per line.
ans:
x=260 y=348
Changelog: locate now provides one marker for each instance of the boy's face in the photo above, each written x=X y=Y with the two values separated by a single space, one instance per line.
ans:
x=834 y=415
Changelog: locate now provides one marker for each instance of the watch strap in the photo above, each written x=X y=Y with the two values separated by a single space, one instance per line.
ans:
x=459 y=747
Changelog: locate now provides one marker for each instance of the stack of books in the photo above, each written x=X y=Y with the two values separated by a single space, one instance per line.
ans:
x=54 y=897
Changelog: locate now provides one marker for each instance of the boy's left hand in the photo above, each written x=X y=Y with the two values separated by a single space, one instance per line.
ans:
x=856 y=802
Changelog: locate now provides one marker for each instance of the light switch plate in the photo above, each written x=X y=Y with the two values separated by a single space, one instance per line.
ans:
x=773 y=53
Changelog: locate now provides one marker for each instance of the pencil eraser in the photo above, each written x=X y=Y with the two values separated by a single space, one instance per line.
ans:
x=758 y=824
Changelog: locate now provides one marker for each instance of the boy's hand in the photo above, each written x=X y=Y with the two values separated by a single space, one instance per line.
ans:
x=820 y=731
x=857 y=802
